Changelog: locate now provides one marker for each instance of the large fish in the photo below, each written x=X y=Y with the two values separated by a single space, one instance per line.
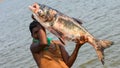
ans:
x=66 y=28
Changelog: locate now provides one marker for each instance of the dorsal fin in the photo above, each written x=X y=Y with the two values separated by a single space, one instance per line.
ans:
x=78 y=20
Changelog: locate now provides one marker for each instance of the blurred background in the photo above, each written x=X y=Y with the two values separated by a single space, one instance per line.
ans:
x=100 y=17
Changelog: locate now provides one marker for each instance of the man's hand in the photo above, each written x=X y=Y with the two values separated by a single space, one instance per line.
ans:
x=80 y=41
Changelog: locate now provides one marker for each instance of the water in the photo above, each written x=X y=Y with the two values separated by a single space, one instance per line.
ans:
x=101 y=18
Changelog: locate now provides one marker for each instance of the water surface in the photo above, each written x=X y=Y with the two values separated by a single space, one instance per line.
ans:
x=100 y=17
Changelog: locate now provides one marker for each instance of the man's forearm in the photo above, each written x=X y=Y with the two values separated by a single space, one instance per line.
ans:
x=73 y=55
x=37 y=47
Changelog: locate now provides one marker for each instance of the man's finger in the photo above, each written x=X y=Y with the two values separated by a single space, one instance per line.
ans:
x=82 y=38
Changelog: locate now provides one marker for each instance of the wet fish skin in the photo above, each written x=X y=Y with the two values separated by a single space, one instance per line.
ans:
x=67 y=28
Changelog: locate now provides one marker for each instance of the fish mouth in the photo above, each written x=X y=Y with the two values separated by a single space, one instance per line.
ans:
x=34 y=8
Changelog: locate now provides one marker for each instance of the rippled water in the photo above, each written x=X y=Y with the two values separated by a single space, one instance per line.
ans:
x=101 y=18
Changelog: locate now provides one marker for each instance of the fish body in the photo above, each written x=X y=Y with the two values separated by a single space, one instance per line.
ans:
x=66 y=28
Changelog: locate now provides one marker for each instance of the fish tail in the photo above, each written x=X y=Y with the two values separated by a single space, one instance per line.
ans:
x=101 y=45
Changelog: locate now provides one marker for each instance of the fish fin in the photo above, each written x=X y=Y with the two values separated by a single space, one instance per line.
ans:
x=78 y=20
x=62 y=41
x=100 y=54
x=105 y=43
x=102 y=44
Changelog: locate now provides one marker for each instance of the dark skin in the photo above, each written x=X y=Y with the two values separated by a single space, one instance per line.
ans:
x=36 y=48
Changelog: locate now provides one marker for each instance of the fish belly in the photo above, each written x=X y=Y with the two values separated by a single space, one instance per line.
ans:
x=69 y=29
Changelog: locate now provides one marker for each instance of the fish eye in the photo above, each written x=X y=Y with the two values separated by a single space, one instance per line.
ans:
x=40 y=12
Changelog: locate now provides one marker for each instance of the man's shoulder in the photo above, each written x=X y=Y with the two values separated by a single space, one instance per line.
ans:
x=57 y=42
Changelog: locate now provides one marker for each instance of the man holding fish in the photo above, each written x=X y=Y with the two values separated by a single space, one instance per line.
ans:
x=50 y=53
x=67 y=29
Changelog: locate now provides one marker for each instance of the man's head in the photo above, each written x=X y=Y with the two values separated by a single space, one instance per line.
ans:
x=34 y=28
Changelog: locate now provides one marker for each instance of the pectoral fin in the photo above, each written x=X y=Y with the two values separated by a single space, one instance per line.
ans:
x=59 y=34
x=62 y=41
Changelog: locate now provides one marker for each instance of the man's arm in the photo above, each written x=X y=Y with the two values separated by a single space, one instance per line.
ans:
x=69 y=60
x=37 y=47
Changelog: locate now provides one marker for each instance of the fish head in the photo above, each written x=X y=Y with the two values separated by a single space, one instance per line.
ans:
x=42 y=12
x=37 y=9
